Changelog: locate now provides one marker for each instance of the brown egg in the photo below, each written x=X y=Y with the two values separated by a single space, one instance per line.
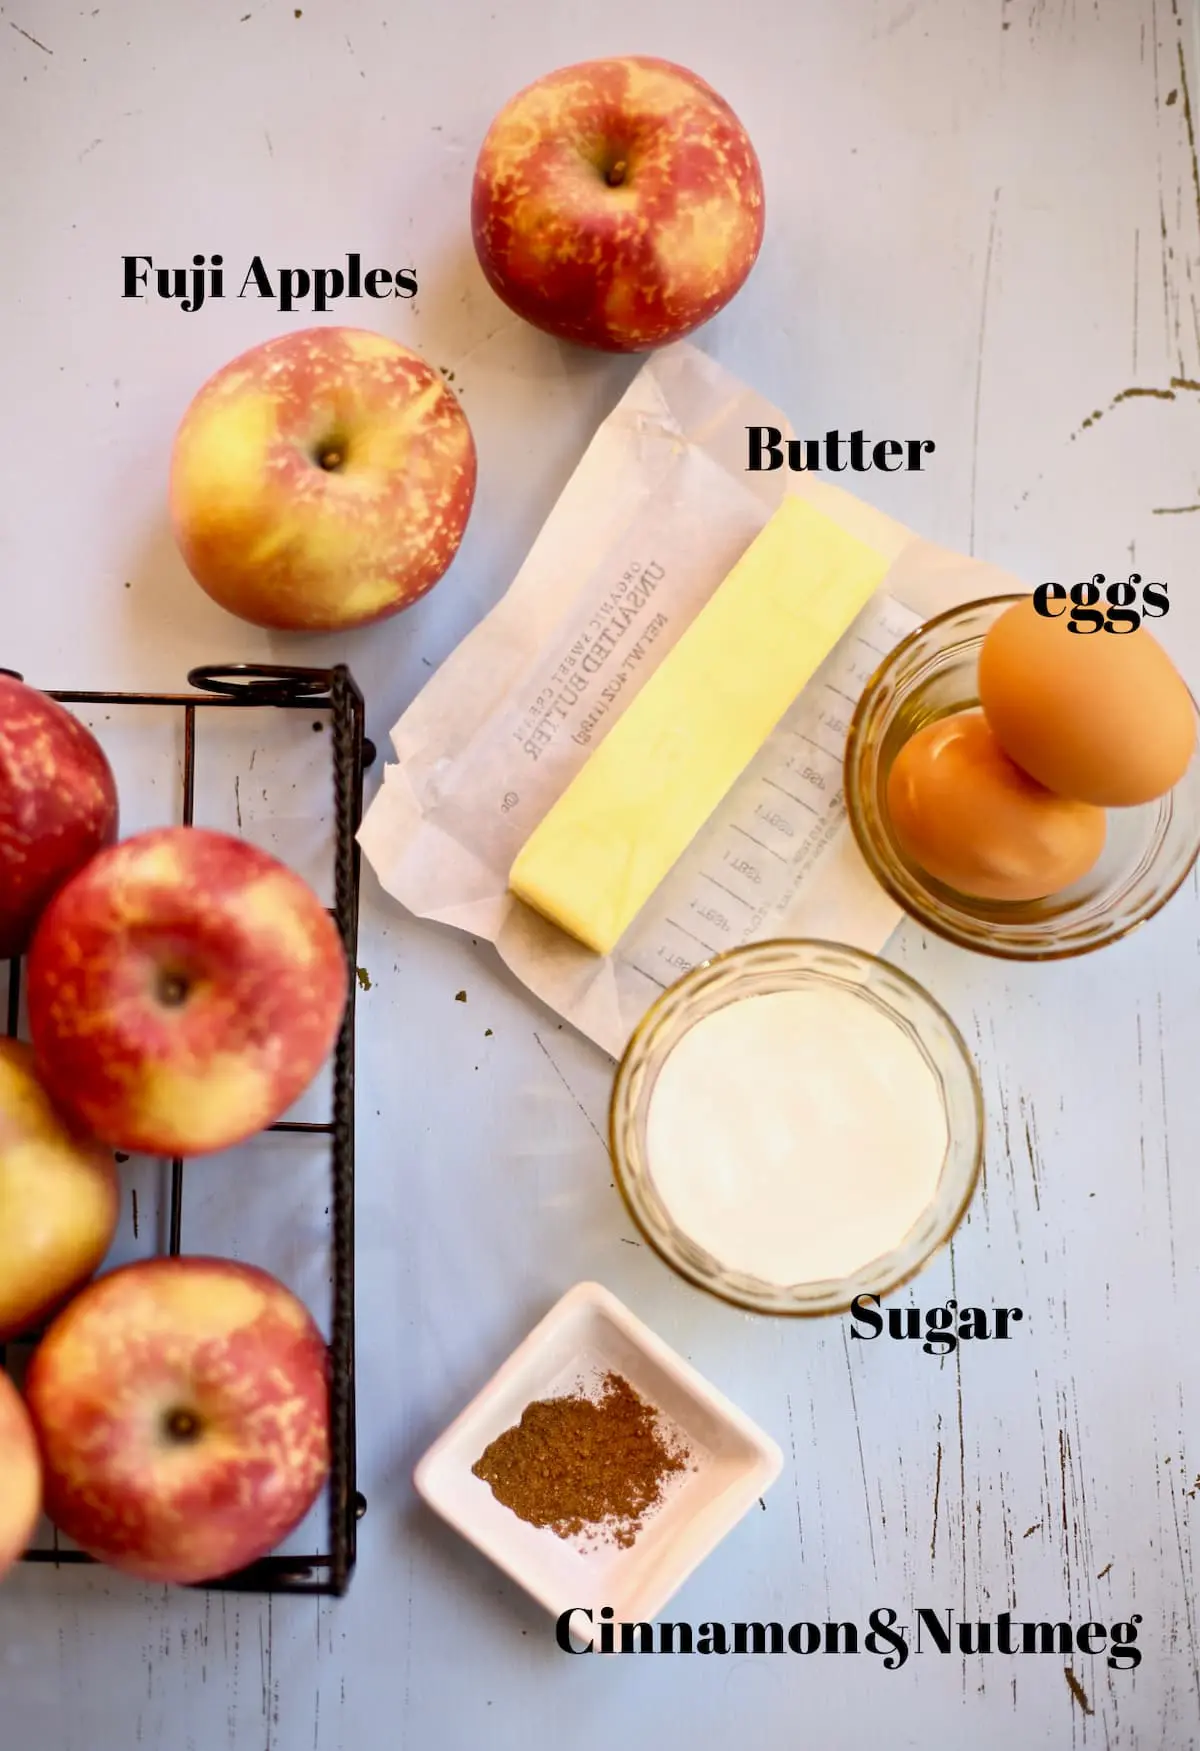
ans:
x=964 y=813
x=1098 y=716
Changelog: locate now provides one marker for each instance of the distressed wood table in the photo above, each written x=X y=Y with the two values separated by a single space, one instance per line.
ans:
x=984 y=230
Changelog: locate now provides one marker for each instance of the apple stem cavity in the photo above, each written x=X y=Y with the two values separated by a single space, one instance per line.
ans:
x=330 y=455
x=172 y=990
x=182 y=1426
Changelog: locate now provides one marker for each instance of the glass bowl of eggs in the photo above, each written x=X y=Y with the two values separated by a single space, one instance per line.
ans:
x=1022 y=791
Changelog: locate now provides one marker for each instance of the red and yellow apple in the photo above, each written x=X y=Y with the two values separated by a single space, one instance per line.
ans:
x=182 y=1408
x=58 y=805
x=321 y=480
x=58 y=1199
x=20 y=1475
x=617 y=203
x=184 y=988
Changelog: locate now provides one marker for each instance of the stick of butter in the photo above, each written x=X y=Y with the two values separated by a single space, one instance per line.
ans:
x=645 y=792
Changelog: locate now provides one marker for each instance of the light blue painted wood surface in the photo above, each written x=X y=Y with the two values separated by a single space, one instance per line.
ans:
x=983 y=227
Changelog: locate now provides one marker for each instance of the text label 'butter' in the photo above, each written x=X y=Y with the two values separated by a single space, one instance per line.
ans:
x=835 y=453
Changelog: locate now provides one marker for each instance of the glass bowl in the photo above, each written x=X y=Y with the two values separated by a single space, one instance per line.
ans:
x=1148 y=853
x=752 y=971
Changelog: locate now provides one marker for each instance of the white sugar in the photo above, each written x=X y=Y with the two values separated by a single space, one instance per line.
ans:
x=796 y=1135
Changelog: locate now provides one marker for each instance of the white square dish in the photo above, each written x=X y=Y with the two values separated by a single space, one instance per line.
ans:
x=731 y=1462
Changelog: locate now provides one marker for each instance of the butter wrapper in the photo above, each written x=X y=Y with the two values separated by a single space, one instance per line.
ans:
x=655 y=515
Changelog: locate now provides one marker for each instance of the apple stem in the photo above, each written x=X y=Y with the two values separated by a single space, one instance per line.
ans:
x=616 y=175
x=172 y=989
x=182 y=1425
x=330 y=460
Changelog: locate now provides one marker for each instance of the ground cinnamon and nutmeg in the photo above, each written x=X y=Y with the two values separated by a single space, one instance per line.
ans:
x=578 y=1464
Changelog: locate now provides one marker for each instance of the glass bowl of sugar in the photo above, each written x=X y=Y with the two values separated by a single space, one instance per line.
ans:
x=794 y=1124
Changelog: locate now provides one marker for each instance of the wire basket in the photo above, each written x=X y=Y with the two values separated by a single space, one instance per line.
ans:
x=246 y=686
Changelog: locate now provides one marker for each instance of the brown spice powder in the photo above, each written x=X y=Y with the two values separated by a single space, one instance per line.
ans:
x=579 y=1464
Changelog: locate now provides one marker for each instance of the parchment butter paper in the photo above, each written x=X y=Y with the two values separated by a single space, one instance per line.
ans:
x=654 y=516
